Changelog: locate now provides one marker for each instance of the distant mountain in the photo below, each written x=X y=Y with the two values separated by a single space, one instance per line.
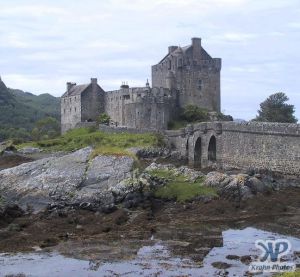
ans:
x=239 y=120
x=20 y=110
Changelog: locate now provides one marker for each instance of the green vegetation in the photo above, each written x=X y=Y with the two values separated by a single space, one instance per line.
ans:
x=179 y=188
x=103 y=119
x=103 y=143
x=194 y=114
x=275 y=109
x=290 y=274
x=19 y=111
x=46 y=128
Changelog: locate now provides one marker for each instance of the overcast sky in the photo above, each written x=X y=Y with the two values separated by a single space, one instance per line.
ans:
x=44 y=44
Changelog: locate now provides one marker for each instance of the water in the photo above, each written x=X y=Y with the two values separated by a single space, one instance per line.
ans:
x=154 y=260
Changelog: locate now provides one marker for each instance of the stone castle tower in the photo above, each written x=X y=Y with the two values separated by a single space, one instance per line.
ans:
x=186 y=75
x=193 y=73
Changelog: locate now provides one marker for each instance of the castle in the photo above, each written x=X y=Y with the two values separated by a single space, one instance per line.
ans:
x=186 y=75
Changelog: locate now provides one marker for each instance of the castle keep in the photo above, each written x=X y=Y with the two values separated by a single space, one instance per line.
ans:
x=186 y=75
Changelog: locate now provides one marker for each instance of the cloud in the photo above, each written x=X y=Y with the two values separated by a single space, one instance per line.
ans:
x=44 y=44
x=234 y=37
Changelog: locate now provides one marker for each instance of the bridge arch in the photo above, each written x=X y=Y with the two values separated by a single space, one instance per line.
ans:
x=198 y=152
x=212 y=149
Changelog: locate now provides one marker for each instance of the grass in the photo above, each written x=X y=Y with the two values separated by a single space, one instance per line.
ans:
x=103 y=143
x=179 y=188
x=177 y=124
x=290 y=274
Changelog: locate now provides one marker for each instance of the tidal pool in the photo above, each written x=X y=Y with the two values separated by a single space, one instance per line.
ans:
x=151 y=260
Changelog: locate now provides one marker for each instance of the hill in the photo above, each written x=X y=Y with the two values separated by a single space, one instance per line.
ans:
x=20 y=110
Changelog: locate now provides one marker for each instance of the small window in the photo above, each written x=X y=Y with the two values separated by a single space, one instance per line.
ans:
x=64 y=110
x=199 y=85
x=70 y=110
x=70 y=99
x=169 y=64
x=179 y=63
x=75 y=110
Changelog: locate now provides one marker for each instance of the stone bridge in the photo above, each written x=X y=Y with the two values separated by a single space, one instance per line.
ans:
x=262 y=146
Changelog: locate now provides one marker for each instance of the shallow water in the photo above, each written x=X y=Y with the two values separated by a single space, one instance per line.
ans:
x=154 y=260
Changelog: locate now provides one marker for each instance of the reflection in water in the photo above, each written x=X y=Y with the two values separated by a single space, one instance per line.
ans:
x=154 y=260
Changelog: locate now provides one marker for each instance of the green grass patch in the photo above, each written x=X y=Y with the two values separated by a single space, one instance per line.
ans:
x=179 y=188
x=103 y=143
x=177 y=124
x=290 y=274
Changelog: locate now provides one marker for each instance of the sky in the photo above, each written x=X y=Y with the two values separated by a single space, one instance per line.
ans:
x=45 y=43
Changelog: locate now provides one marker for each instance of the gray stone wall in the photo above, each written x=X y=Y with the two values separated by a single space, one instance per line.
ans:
x=109 y=129
x=262 y=146
x=140 y=107
x=70 y=112
x=81 y=103
x=192 y=72
x=92 y=103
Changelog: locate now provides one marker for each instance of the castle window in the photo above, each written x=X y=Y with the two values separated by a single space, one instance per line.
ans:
x=169 y=64
x=70 y=99
x=70 y=110
x=179 y=63
x=64 y=110
x=199 y=84
x=75 y=110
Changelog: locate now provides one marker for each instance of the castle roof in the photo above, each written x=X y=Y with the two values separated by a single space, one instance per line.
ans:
x=76 y=90
x=183 y=50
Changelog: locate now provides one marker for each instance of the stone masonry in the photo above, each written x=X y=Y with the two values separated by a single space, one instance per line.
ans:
x=256 y=145
x=186 y=75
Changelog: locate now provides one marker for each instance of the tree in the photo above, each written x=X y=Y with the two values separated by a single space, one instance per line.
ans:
x=275 y=109
x=103 y=119
x=193 y=113
x=46 y=128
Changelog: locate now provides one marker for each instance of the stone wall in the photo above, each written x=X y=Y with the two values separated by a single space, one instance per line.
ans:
x=110 y=129
x=192 y=72
x=262 y=146
x=70 y=112
x=140 y=107
x=81 y=104
x=92 y=102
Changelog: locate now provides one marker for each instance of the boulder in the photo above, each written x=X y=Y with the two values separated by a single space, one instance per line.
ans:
x=217 y=179
x=71 y=179
x=257 y=186
x=29 y=150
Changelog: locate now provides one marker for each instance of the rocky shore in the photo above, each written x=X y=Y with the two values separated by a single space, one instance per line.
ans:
x=69 y=202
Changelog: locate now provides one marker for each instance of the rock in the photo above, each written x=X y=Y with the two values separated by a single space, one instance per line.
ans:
x=71 y=179
x=155 y=166
x=6 y=146
x=257 y=186
x=29 y=150
x=151 y=152
x=191 y=174
x=236 y=190
x=246 y=259
x=221 y=265
x=232 y=257
x=216 y=179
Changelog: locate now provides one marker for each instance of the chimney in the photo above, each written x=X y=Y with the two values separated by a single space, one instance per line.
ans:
x=70 y=85
x=196 y=43
x=94 y=81
x=172 y=48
